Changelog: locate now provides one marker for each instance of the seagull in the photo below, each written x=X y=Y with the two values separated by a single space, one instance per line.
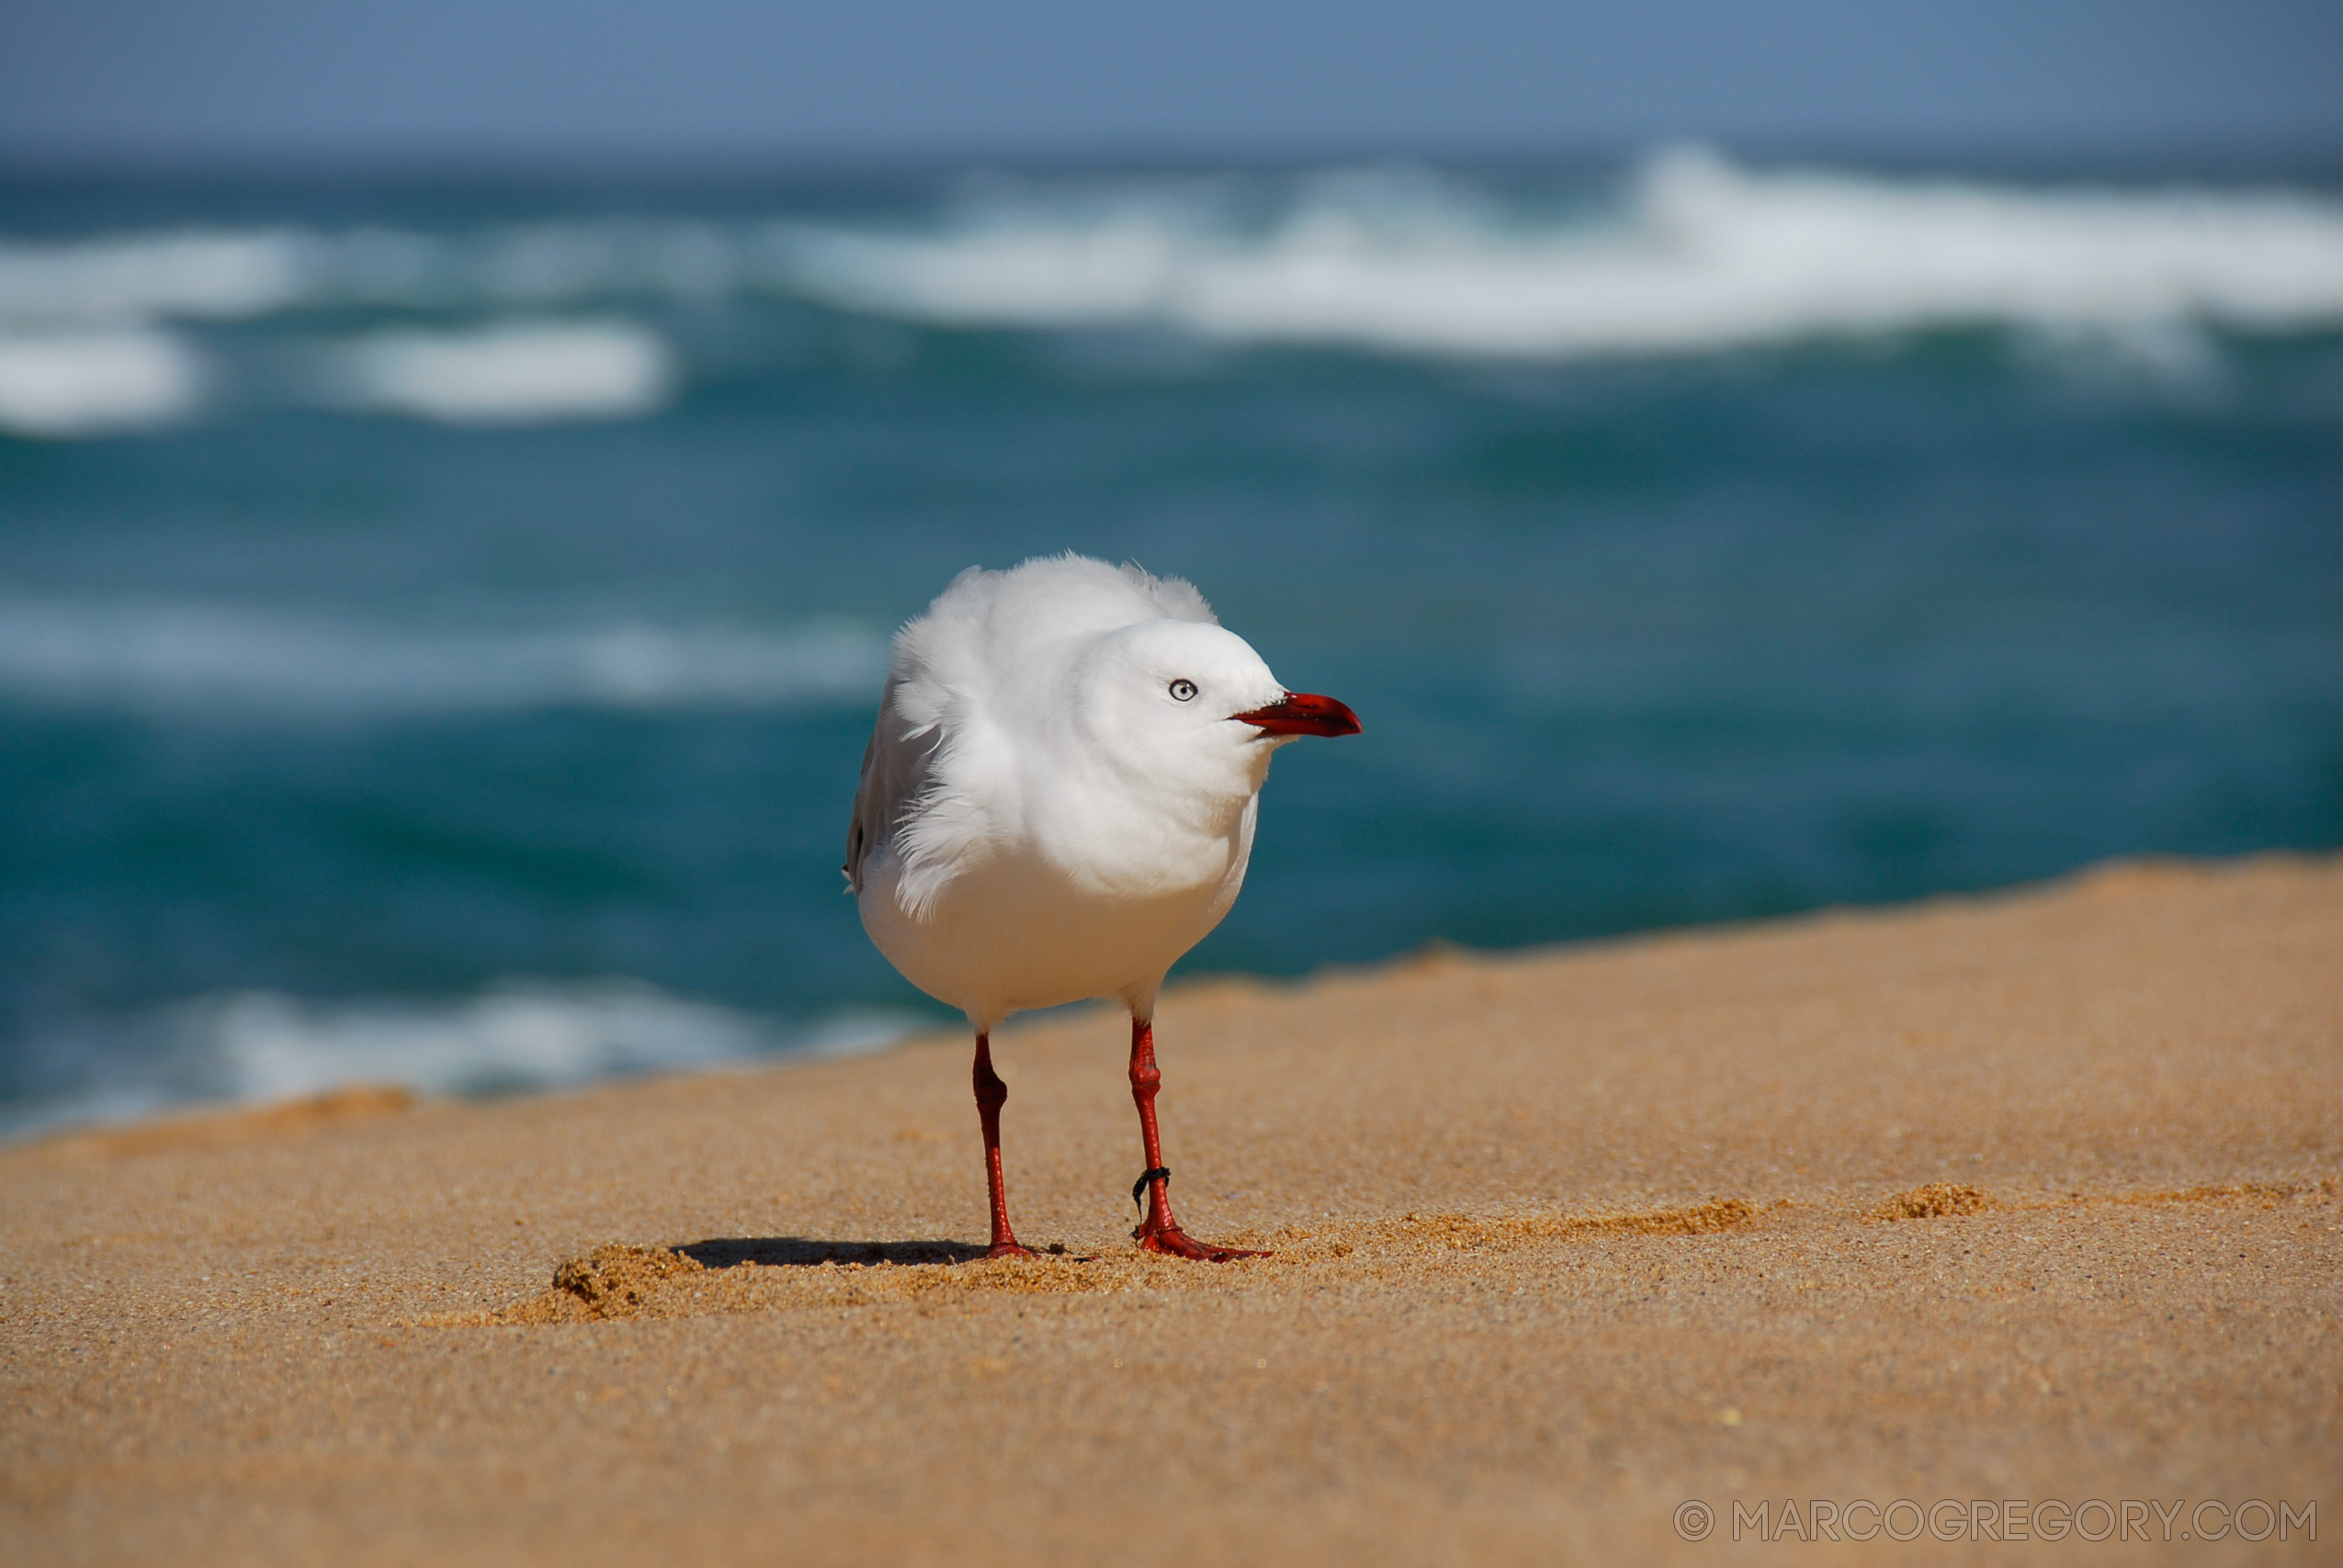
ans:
x=1057 y=802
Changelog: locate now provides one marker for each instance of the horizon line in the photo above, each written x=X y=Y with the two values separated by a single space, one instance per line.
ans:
x=2179 y=157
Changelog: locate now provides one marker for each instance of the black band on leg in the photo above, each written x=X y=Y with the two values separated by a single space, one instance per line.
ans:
x=1140 y=1186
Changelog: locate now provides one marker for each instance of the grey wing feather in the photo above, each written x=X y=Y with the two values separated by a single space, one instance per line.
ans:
x=895 y=773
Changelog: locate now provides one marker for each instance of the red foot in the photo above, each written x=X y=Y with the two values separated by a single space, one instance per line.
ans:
x=1010 y=1249
x=1177 y=1243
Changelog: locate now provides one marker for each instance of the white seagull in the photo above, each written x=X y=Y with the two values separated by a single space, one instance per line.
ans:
x=1057 y=802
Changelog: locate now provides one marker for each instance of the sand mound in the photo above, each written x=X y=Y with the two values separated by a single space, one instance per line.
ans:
x=615 y=1280
x=220 y=1129
x=1460 y=1231
x=2269 y=1194
x=1936 y=1201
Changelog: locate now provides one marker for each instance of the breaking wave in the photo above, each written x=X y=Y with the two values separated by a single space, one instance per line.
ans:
x=200 y=275
x=515 y=373
x=252 y=1047
x=95 y=382
x=524 y=322
x=1701 y=255
x=184 y=659
x=231 y=276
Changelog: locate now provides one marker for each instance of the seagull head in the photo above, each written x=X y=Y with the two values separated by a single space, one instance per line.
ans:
x=1191 y=706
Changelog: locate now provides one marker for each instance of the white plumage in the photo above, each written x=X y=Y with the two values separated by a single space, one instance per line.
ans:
x=1059 y=798
x=1040 y=820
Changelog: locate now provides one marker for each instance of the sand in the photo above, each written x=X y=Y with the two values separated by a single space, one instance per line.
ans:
x=2029 y=1197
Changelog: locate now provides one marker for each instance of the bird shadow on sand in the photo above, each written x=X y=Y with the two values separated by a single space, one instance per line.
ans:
x=804 y=1252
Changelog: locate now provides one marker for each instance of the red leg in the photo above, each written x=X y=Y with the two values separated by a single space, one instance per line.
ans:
x=1160 y=1232
x=991 y=1095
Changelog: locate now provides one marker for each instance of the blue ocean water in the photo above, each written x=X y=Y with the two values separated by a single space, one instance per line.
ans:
x=439 y=623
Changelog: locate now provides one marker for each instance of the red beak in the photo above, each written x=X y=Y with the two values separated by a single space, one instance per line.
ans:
x=1302 y=713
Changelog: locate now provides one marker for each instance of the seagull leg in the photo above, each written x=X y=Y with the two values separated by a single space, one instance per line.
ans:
x=991 y=1094
x=1160 y=1232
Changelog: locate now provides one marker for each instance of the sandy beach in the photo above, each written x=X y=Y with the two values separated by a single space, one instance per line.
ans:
x=2030 y=1198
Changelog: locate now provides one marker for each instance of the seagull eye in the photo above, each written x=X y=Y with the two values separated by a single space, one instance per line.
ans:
x=1183 y=691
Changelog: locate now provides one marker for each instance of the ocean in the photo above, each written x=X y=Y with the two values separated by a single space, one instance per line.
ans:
x=440 y=621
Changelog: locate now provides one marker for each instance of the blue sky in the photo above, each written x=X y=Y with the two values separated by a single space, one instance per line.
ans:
x=434 y=79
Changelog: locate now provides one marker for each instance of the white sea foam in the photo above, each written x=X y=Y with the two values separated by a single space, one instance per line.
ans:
x=205 y=275
x=513 y=373
x=271 y=1046
x=1693 y=253
x=193 y=658
x=518 y=1035
x=1703 y=255
x=234 y=274
x=263 y=1046
x=95 y=382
